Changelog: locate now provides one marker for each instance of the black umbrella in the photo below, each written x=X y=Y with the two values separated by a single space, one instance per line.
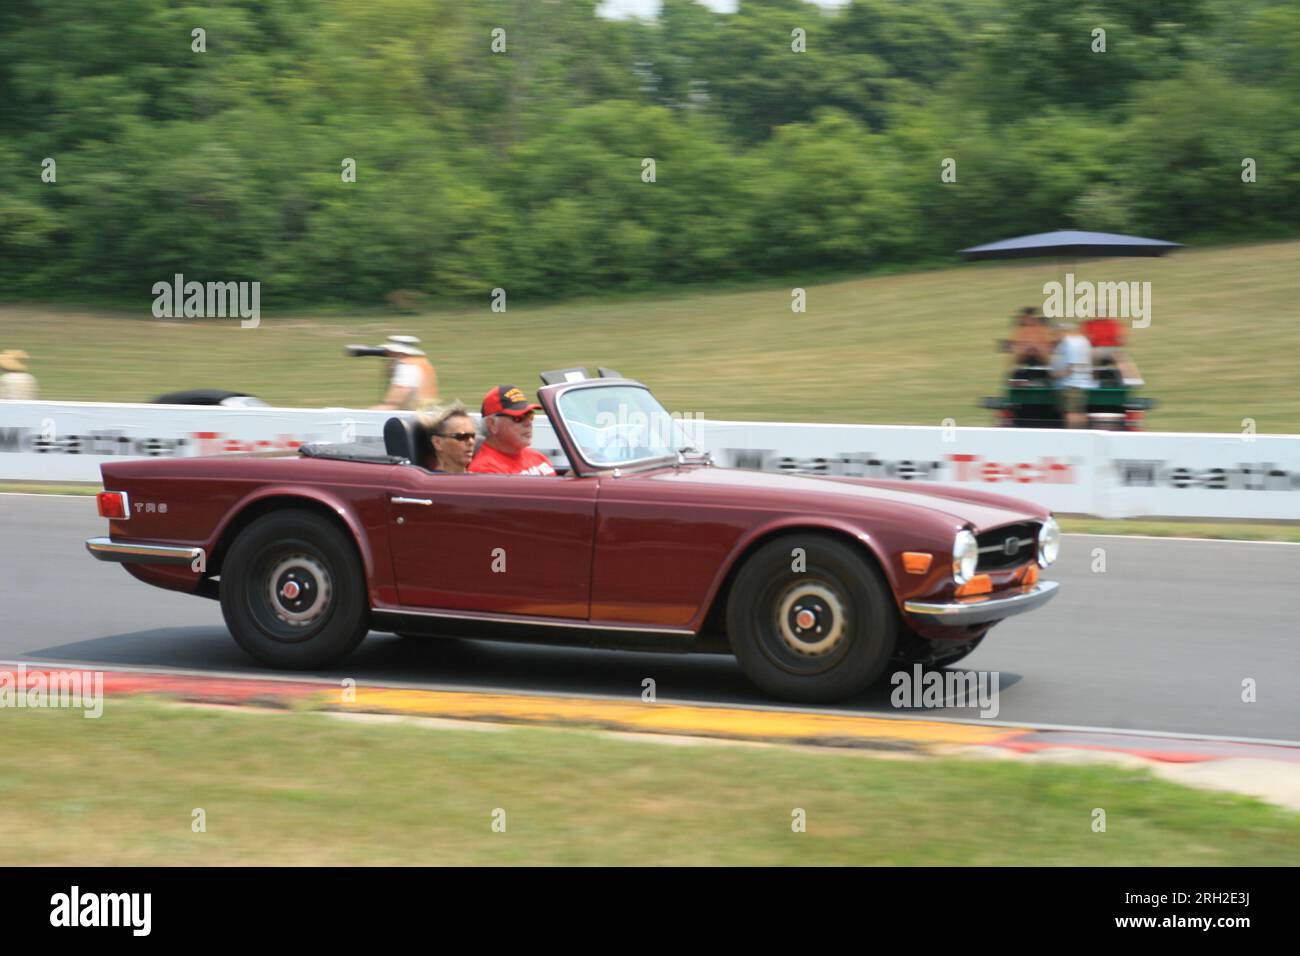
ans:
x=1072 y=244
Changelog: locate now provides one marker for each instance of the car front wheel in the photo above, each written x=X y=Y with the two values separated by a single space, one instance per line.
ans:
x=810 y=619
x=293 y=591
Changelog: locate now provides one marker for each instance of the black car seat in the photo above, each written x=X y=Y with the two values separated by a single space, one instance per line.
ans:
x=407 y=438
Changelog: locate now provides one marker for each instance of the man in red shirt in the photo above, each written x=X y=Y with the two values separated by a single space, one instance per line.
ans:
x=1106 y=335
x=1103 y=332
x=508 y=424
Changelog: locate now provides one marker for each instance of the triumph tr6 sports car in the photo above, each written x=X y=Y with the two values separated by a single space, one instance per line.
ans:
x=817 y=585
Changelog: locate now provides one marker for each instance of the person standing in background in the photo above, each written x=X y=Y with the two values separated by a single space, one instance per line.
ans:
x=16 y=384
x=412 y=382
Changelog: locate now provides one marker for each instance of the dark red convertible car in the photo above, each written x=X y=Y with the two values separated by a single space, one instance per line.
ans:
x=816 y=585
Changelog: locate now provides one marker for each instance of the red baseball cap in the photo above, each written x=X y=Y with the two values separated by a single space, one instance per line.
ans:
x=507 y=400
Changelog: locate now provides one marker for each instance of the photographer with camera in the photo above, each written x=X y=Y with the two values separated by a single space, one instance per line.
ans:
x=412 y=382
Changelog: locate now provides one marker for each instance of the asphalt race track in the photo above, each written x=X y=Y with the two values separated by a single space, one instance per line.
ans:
x=1161 y=641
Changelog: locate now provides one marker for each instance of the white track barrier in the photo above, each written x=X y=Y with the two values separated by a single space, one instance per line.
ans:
x=1109 y=474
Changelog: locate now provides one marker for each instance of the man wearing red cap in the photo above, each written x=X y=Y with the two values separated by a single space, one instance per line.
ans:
x=508 y=427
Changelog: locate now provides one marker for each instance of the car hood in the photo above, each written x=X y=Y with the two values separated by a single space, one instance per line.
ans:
x=957 y=506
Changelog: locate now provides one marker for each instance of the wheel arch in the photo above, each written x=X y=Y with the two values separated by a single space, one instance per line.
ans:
x=713 y=626
x=268 y=502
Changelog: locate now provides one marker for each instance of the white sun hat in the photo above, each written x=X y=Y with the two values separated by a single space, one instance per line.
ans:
x=402 y=345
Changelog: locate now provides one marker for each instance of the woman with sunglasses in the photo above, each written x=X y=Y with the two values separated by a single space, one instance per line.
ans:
x=451 y=433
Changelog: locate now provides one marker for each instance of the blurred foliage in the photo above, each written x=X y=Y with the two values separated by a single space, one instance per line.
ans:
x=523 y=169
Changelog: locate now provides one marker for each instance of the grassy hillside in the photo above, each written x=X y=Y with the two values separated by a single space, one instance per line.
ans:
x=1223 y=345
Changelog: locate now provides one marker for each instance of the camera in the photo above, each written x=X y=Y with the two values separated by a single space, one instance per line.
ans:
x=359 y=350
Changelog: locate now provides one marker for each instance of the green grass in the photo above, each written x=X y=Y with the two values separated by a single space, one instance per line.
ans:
x=301 y=788
x=912 y=349
x=40 y=488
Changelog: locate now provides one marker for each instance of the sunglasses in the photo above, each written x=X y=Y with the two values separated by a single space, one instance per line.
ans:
x=456 y=436
x=520 y=419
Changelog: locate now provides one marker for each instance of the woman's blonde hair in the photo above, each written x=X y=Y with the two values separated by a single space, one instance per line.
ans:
x=433 y=419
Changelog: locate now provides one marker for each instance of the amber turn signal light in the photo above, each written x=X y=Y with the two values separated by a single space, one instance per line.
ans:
x=980 y=584
x=916 y=562
x=1031 y=575
x=112 y=504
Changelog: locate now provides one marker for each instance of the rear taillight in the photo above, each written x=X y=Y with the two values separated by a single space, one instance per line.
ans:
x=1133 y=420
x=113 y=504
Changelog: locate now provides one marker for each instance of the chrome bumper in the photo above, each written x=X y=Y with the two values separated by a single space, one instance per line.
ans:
x=981 y=610
x=106 y=549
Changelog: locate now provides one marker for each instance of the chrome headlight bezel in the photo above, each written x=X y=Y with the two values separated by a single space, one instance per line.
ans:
x=965 y=556
x=1049 y=542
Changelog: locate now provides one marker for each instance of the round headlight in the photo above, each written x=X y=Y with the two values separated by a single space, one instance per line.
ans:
x=965 y=555
x=1049 y=542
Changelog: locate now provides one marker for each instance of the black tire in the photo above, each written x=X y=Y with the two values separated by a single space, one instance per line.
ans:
x=851 y=621
x=319 y=610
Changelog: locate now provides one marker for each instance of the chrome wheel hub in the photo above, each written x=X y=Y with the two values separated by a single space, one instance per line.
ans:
x=810 y=618
x=299 y=589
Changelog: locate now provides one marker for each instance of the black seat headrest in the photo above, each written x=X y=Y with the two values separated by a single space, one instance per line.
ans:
x=406 y=438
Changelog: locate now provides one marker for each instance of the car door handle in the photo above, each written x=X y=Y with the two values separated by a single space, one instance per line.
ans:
x=397 y=500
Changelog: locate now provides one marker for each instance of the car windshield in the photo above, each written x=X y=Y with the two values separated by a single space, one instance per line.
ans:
x=619 y=424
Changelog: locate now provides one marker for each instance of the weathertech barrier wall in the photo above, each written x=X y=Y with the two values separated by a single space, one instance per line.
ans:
x=1109 y=474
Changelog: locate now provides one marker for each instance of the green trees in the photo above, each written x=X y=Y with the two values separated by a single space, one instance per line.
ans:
x=504 y=143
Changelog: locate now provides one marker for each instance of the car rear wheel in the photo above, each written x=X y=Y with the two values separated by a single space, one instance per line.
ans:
x=293 y=591
x=810 y=619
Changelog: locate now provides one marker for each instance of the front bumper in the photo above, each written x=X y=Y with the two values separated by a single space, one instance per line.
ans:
x=981 y=610
x=106 y=549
